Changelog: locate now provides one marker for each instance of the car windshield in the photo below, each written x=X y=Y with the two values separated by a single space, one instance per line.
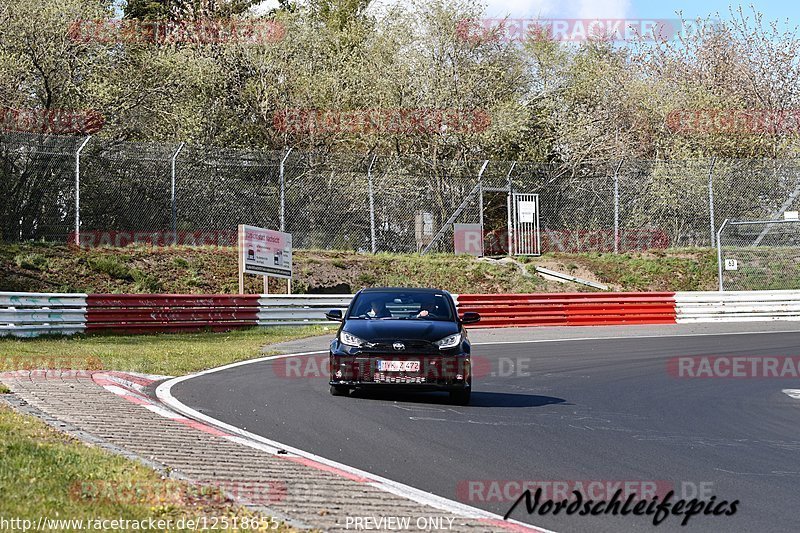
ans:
x=400 y=305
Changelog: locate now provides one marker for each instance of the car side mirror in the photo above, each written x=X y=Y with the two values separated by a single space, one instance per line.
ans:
x=470 y=317
x=334 y=314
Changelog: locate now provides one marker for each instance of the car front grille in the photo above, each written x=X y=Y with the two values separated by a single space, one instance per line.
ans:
x=416 y=347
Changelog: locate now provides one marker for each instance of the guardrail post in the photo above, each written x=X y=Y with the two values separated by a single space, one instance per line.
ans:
x=719 y=254
x=78 y=191
x=173 y=198
x=373 y=239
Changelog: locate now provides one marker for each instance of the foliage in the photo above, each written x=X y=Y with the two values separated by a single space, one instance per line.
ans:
x=548 y=100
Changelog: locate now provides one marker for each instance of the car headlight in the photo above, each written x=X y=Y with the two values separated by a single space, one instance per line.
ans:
x=449 y=342
x=351 y=340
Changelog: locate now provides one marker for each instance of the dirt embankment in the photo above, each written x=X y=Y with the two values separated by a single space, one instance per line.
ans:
x=37 y=267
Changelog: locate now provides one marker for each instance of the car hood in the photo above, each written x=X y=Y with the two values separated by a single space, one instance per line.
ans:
x=372 y=330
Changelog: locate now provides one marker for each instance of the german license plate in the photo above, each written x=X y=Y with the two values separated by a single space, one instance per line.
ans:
x=398 y=366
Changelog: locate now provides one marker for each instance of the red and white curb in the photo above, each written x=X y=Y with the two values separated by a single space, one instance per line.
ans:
x=163 y=392
x=131 y=387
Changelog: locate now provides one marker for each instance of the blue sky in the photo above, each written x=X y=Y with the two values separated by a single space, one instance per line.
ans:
x=646 y=9
x=772 y=10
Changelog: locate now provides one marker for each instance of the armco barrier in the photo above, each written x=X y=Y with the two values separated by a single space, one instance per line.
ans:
x=150 y=313
x=738 y=306
x=570 y=309
x=280 y=309
x=31 y=314
x=24 y=314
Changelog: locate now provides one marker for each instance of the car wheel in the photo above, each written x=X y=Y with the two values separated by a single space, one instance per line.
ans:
x=339 y=390
x=460 y=397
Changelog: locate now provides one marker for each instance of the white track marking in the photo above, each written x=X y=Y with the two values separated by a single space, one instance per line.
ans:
x=119 y=391
x=631 y=337
x=162 y=412
x=792 y=393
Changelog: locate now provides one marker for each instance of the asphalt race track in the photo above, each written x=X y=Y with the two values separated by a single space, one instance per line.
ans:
x=582 y=410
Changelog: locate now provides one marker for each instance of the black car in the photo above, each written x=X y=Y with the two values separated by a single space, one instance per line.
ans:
x=411 y=339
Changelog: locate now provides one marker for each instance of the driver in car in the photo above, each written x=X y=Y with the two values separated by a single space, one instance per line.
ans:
x=378 y=310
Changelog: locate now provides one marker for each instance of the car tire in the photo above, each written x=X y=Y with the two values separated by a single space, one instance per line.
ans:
x=339 y=390
x=460 y=397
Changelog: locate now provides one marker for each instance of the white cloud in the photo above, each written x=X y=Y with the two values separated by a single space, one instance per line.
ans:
x=604 y=9
x=601 y=9
x=522 y=8
x=264 y=7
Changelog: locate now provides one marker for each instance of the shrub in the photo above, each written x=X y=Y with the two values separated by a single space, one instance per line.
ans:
x=112 y=266
x=31 y=261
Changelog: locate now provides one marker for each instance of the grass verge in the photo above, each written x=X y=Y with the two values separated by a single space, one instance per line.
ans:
x=44 y=473
x=164 y=354
x=61 y=478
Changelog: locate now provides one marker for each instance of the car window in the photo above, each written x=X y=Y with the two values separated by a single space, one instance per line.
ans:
x=398 y=305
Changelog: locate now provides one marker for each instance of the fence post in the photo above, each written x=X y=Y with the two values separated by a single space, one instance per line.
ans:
x=616 y=205
x=480 y=205
x=711 y=203
x=78 y=191
x=719 y=254
x=283 y=190
x=173 y=198
x=509 y=200
x=372 y=206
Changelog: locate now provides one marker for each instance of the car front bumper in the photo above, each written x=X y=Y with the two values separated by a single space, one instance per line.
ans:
x=436 y=372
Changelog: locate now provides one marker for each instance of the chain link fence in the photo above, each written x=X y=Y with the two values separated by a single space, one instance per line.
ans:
x=759 y=255
x=160 y=193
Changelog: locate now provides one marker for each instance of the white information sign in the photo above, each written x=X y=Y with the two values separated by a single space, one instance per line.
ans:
x=731 y=264
x=527 y=211
x=265 y=252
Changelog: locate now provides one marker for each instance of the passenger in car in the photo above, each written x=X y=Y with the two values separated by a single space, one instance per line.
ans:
x=426 y=310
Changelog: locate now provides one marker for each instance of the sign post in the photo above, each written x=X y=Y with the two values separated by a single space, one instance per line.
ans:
x=264 y=252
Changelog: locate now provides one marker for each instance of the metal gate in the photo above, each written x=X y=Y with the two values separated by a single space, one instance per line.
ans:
x=525 y=234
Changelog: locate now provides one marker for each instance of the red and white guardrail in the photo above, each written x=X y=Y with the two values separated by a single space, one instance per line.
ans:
x=32 y=314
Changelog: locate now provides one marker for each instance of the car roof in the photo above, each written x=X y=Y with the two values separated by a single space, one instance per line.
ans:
x=404 y=289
